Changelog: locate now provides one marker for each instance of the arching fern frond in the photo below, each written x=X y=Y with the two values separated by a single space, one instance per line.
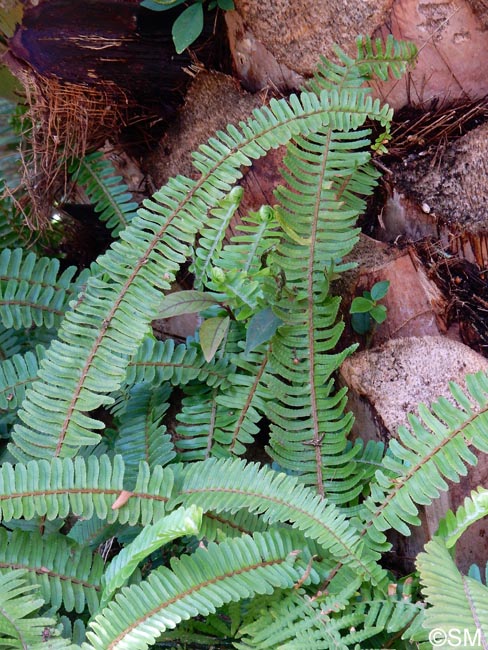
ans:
x=182 y=521
x=68 y=575
x=198 y=584
x=101 y=334
x=457 y=602
x=20 y=626
x=434 y=449
x=106 y=190
x=59 y=487
x=233 y=485
x=33 y=291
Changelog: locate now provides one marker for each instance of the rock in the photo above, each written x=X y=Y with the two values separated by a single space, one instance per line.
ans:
x=453 y=47
x=390 y=381
x=270 y=42
x=213 y=101
x=297 y=33
x=453 y=183
x=255 y=65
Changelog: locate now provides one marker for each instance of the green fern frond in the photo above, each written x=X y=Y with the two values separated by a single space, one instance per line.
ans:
x=211 y=239
x=16 y=375
x=20 y=626
x=141 y=436
x=59 y=487
x=219 y=526
x=68 y=575
x=183 y=521
x=196 y=423
x=457 y=602
x=32 y=291
x=328 y=176
x=222 y=423
x=435 y=449
x=296 y=621
x=198 y=584
x=160 y=361
x=100 y=335
x=374 y=58
x=254 y=238
x=106 y=190
x=93 y=532
x=453 y=525
x=232 y=485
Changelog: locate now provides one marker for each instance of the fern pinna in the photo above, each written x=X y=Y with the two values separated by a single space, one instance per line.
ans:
x=207 y=547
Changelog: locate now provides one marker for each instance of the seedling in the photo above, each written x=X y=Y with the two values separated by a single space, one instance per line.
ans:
x=365 y=311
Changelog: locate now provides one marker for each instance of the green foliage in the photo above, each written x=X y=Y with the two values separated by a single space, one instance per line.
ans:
x=105 y=190
x=132 y=449
x=20 y=627
x=366 y=311
x=189 y=24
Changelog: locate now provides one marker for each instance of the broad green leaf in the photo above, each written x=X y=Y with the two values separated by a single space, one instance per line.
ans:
x=261 y=328
x=186 y=302
x=378 y=312
x=361 y=305
x=380 y=289
x=188 y=27
x=361 y=323
x=226 y=5
x=212 y=332
x=183 y=521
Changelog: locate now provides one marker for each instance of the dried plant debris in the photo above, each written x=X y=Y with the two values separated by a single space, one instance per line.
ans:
x=465 y=286
x=88 y=70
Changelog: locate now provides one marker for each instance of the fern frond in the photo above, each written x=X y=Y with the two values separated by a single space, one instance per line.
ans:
x=20 y=627
x=374 y=58
x=244 y=404
x=16 y=375
x=32 y=291
x=197 y=584
x=141 y=436
x=183 y=521
x=106 y=190
x=254 y=238
x=100 y=335
x=211 y=239
x=453 y=525
x=232 y=485
x=216 y=527
x=328 y=176
x=68 y=575
x=196 y=423
x=436 y=448
x=457 y=602
x=59 y=487
x=93 y=532
x=296 y=621
x=160 y=361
